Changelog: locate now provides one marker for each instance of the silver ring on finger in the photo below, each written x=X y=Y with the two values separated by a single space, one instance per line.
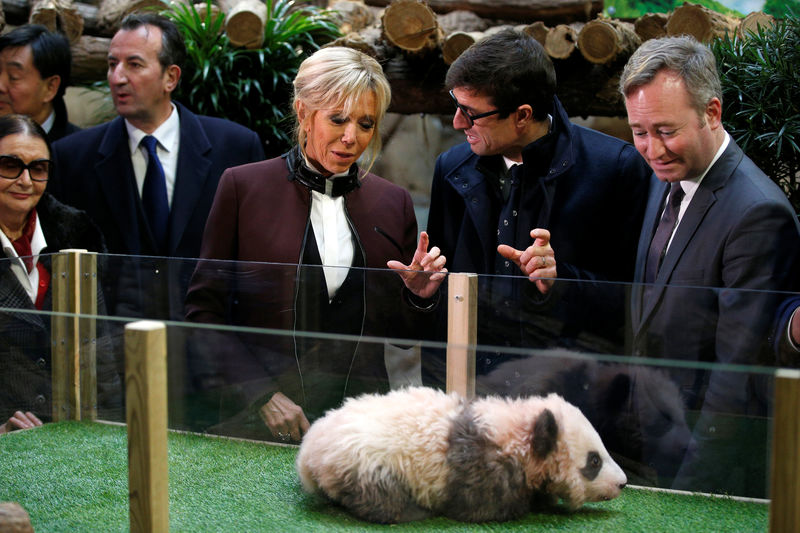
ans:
x=544 y=261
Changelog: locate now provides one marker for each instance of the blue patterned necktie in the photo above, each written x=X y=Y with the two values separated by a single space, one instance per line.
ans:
x=658 y=246
x=154 y=195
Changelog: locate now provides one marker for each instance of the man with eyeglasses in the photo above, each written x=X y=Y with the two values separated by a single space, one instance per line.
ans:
x=531 y=192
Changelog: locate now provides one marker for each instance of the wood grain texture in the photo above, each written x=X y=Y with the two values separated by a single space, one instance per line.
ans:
x=462 y=322
x=146 y=414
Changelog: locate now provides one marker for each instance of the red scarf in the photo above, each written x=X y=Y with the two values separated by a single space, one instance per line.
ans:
x=23 y=247
x=23 y=244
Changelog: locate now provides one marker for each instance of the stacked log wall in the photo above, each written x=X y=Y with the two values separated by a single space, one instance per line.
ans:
x=418 y=42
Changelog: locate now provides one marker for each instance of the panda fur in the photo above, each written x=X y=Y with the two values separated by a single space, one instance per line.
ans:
x=419 y=452
x=638 y=411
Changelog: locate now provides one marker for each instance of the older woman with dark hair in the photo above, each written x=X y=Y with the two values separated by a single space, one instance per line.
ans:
x=33 y=224
x=316 y=209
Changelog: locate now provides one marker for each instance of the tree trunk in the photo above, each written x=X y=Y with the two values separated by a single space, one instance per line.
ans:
x=525 y=11
x=351 y=15
x=411 y=26
x=603 y=41
x=466 y=21
x=455 y=43
x=368 y=40
x=651 y=26
x=245 y=21
x=753 y=21
x=111 y=12
x=58 y=15
x=89 y=59
x=538 y=30
x=700 y=22
x=561 y=41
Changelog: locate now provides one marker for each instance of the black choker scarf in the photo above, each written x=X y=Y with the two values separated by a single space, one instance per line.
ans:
x=298 y=170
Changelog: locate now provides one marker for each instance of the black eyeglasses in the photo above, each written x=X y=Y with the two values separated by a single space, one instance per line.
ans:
x=471 y=118
x=11 y=168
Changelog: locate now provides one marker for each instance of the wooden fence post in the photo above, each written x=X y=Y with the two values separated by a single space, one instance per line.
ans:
x=784 y=509
x=146 y=414
x=73 y=341
x=462 y=321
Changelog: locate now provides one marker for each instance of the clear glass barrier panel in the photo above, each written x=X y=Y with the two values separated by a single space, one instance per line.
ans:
x=681 y=392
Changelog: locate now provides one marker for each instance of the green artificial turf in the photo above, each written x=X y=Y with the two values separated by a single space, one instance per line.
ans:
x=72 y=476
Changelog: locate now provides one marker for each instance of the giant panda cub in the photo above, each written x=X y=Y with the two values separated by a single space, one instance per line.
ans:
x=418 y=452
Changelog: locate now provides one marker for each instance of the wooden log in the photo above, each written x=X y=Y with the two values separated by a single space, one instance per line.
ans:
x=700 y=22
x=14 y=518
x=524 y=11
x=411 y=26
x=538 y=30
x=466 y=21
x=561 y=41
x=351 y=15
x=651 y=26
x=784 y=510
x=87 y=334
x=602 y=41
x=245 y=21
x=89 y=59
x=146 y=415
x=17 y=12
x=368 y=40
x=65 y=336
x=462 y=328
x=455 y=43
x=753 y=21
x=111 y=12
x=58 y=16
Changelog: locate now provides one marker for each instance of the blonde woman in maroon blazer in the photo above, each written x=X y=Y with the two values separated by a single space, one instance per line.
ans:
x=281 y=220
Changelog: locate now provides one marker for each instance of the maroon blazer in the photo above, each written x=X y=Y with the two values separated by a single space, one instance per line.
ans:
x=259 y=218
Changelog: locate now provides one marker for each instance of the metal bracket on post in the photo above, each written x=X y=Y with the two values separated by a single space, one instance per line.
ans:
x=784 y=509
x=146 y=414
x=73 y=283
x=462 y=321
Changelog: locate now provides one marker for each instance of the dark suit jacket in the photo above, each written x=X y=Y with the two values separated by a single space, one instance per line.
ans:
x=92 y=171
x=739 y=232
x=61 y=126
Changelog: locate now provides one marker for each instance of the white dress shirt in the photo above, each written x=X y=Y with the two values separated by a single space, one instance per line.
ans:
x=333 y=234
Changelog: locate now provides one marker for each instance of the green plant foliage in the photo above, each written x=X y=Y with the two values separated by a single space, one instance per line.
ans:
x=637 y=8
x=251 y=87
x=781 y=8
x=761 y=108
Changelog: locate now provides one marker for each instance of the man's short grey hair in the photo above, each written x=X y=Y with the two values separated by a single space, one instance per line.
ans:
x=691 y=60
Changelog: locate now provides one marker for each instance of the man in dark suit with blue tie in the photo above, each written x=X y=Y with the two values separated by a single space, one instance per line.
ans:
x=148 y=178
x=717 y=237
x=102 y=170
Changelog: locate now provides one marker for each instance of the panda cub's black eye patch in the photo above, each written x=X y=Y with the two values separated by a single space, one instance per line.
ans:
x=594 y=463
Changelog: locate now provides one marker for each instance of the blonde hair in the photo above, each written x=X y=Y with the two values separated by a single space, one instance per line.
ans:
x=337 y=78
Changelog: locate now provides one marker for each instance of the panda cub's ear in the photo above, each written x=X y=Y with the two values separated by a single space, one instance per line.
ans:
x=545 y=434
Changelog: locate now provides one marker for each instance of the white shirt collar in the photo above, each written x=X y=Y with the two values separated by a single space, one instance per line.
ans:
x=167 y=134
x=47 y=125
